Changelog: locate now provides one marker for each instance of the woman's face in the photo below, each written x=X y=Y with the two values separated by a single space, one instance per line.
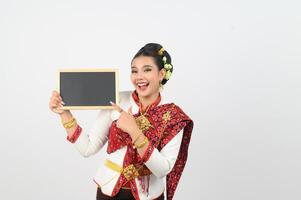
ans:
x=145 y=76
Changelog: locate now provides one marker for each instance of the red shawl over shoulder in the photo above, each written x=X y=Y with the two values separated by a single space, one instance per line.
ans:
x=167 y=121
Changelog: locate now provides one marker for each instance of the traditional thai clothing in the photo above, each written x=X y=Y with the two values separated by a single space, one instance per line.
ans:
x=168 y=130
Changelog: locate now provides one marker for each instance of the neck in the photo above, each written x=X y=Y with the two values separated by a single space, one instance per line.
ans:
x=145 y=101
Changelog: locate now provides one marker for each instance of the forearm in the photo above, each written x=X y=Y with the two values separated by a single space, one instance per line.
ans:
x=159 y=162
x=66 y=117
x=88 y=144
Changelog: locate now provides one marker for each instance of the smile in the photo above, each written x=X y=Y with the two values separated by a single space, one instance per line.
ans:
x=142 y=86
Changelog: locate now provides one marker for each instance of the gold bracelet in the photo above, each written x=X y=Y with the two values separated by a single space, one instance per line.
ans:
x=135 y=140
x=142 y=144
x=70 y=123
x=71 y=120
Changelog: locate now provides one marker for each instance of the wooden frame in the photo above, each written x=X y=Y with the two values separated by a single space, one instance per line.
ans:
x=91 y=70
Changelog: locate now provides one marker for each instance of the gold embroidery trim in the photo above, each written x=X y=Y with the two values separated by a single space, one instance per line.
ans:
x=143 y=123
x=166 y=116
x=129 y=172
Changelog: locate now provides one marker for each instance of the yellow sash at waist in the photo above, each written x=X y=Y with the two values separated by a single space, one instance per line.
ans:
x=130 y=172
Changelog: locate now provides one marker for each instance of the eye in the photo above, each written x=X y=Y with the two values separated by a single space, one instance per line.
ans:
x=134 y=71
x=148 y=70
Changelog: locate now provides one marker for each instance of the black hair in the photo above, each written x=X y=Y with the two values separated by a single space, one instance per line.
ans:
x=152 y=50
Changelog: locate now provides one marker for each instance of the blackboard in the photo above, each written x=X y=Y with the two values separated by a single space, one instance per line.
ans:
x=88 y=88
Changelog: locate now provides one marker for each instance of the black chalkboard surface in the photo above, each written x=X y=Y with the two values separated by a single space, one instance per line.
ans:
x=88 y=88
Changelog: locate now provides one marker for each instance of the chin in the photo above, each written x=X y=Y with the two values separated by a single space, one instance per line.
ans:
x=143 y=93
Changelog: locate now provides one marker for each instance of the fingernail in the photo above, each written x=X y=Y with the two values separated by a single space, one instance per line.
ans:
x=63 y=103
x=111 y=102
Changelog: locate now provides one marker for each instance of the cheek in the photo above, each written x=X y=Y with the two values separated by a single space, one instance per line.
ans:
x=154 y=78
x=132 y=79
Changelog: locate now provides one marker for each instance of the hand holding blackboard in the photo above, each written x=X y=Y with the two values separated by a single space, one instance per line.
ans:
x=88 y=88
x=56 y=103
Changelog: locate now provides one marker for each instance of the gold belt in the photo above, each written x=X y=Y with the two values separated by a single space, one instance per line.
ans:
x=130 y=172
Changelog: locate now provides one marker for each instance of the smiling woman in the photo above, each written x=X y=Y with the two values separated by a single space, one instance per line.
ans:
x=147 y=143
x=151 y=69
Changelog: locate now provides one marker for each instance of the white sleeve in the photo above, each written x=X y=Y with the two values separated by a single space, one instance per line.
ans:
x=160 y=163
x=90 y=144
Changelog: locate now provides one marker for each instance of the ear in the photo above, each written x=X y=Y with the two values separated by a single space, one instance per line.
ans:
x=162 y=73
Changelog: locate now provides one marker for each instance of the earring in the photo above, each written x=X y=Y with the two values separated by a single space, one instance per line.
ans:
x=160 y=83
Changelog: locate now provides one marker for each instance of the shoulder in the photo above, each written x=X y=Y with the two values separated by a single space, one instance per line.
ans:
x=168 y=103
x=175 y=112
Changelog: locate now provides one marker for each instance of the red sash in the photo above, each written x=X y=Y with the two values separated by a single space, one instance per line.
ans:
x=162 y=131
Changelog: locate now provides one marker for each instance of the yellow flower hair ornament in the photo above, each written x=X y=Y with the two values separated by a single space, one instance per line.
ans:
x=167 y=75
x=167 y=67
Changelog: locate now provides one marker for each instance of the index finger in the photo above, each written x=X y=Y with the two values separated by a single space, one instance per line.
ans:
x=116 y=107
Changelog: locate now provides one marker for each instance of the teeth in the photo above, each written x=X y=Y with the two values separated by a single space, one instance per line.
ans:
x=142 y=84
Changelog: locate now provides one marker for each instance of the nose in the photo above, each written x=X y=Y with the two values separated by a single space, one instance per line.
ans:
x=139 y=75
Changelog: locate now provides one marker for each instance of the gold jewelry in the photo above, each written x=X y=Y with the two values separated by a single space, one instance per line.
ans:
x=130 y=172
x=142 y=122
x=135 y=140
x=160 y=52
x=70 y=123
x=142 y=144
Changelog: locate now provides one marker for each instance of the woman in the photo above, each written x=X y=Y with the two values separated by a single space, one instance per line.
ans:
x=147 y=143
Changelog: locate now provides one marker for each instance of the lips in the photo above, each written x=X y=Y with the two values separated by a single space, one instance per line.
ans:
x=142 y=85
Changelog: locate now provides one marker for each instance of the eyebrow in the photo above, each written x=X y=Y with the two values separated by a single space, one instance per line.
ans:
x=145 y=66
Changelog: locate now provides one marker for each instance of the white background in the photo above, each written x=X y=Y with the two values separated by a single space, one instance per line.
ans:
x=236 y=74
